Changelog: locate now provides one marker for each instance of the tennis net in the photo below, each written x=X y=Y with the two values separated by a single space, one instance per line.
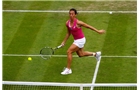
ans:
x=16 y=85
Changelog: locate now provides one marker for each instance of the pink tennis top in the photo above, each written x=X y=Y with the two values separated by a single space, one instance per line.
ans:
x=74 y=30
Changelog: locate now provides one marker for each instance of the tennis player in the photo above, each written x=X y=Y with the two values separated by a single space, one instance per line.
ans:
x=74 y=27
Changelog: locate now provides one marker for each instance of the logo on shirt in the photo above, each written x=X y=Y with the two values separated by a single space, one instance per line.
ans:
x=72 y=28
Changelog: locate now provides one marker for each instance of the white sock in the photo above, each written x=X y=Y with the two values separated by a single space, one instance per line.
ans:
x=94 y=54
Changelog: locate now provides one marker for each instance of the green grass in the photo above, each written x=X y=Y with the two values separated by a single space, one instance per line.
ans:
x=121 y=33
x=66 y=5
x=117 y=71
x=27 y=33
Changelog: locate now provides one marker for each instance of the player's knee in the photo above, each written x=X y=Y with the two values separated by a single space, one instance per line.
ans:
x=69 y=51
x=80 y=55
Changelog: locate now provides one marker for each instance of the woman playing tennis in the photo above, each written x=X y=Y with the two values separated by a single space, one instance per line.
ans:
x=74 y=27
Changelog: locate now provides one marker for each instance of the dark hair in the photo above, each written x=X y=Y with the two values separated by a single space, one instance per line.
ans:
x=75 y=11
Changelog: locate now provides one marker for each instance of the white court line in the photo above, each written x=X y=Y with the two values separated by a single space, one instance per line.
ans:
x=33 y=55
x=95 y=73
x=65 y=11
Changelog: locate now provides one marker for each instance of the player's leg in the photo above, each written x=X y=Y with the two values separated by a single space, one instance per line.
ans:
x=82 y=53
x=72 y=48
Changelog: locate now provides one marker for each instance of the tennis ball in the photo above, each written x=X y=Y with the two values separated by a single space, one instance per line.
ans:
x=29 y=58
x=110 y=12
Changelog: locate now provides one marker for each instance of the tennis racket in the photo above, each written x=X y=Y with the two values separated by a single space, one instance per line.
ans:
x=47 y=52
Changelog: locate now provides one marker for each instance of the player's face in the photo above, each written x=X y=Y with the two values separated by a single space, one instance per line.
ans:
x=72 y=15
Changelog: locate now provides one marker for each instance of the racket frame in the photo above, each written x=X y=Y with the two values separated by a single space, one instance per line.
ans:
x=52 y=49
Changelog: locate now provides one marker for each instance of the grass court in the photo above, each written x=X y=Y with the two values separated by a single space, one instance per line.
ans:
x=27 y=32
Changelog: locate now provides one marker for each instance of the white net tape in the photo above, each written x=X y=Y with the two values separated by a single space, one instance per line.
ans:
x=13 y=85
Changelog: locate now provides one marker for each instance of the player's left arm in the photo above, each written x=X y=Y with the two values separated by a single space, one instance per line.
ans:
x=80 y=23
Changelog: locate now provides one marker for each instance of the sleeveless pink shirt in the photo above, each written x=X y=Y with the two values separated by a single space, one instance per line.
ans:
x=74 y=30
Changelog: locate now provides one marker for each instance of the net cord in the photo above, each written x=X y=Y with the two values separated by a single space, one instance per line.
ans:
x=70 y=84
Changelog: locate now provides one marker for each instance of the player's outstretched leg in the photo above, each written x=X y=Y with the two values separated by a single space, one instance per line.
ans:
x=82 y=53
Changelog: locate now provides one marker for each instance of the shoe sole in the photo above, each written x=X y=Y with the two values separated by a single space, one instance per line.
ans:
x=66 y=74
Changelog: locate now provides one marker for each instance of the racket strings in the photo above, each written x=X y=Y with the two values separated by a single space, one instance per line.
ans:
x=46 y=53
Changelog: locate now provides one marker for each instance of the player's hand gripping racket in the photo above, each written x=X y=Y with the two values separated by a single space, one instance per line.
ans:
x=47 y=52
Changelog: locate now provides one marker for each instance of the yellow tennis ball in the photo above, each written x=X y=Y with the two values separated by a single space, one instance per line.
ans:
x=29 y=58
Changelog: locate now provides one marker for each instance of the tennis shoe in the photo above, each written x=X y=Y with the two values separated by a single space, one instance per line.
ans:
x=98 y=56
x=66 y=71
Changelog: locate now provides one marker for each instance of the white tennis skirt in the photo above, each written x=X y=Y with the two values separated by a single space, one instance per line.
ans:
x=80 y=42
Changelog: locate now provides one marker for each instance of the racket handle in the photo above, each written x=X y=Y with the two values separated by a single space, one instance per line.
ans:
x=59 y=46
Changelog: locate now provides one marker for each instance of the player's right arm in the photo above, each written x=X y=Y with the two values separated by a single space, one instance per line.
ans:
x=66 y=37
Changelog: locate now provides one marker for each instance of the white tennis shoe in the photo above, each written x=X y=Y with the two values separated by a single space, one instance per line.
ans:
x=98 y=56
x=66 y=71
